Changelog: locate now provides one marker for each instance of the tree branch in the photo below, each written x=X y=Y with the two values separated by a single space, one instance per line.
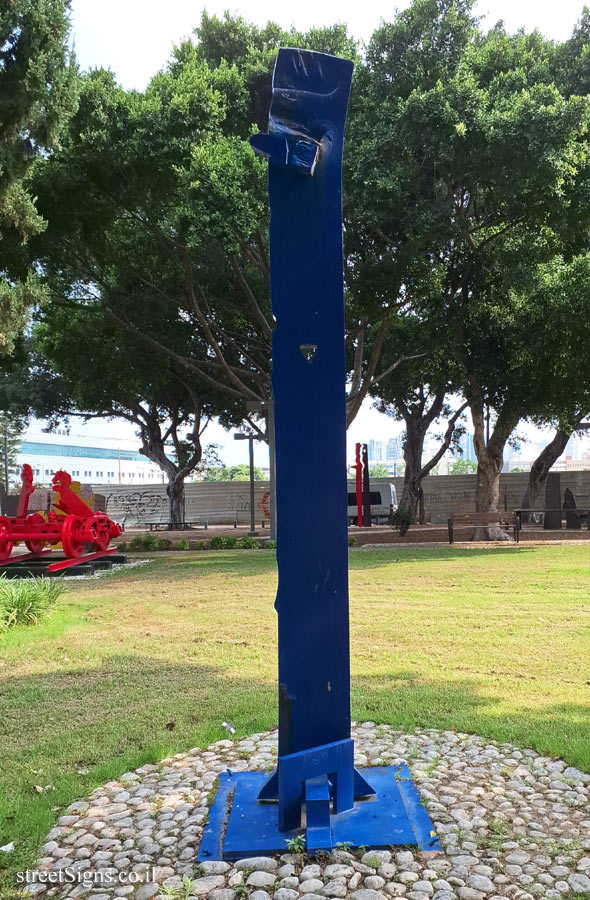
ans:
x=252 y=302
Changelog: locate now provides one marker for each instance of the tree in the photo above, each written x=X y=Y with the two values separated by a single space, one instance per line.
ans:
x=232 y=473
x=417 y=394
x=11 y=430
x=37 y=95
x=379 y=471
x=463 y=467
x=465 y=165
x=105 y=372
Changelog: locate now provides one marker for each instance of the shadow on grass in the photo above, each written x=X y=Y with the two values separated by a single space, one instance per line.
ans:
x=78 y=729
x=228 y=562
x=409 y=701
x=369 y=559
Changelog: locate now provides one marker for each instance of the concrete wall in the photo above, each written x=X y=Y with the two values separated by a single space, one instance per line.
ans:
x=217 y=501
x=444 y=494
x=224 y=501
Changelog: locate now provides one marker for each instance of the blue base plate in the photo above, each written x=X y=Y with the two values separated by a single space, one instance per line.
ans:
x=241 y=826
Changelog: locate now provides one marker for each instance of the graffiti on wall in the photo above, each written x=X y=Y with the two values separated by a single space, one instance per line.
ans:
x=139 y=505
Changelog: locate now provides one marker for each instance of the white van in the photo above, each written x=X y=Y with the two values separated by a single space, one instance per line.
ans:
x=383 y=502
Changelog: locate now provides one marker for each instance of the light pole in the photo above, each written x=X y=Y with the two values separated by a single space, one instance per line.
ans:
x=250 y=438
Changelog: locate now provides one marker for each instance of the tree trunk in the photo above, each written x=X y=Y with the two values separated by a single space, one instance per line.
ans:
x=175 y=493
x=412 y=493
x=541 y=466
x=490 y=454
x=487 y=489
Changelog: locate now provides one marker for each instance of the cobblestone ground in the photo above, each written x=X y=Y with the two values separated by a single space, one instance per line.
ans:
x=512 y=824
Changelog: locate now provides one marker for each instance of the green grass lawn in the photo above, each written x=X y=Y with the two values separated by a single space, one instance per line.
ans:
x=136 y=666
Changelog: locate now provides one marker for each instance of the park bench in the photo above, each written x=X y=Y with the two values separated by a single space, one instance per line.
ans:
x=204 y=520
x=574 y=517
x=483 y=520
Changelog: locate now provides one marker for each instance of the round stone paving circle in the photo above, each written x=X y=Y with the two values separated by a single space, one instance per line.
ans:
x=512 y=824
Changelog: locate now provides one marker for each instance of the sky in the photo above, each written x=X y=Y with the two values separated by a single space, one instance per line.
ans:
x=134 y=38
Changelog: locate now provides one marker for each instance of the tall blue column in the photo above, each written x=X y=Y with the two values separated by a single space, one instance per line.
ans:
x=316 y=754
x=304 y=147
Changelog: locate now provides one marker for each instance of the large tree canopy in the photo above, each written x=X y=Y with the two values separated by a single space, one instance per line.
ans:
x=465 y=210
x=465 y=163
x=37 y=95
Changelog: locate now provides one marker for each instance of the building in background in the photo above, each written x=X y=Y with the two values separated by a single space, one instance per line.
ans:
x=88 y=458
x=375 y=451
x=93 y=465
x=467 y=448
x=394 y=449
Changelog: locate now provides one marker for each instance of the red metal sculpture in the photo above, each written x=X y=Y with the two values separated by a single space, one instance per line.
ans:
x=359 y=486
x=72 y=523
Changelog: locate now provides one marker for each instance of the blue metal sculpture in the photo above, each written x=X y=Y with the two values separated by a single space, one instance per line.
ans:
x=315 y=767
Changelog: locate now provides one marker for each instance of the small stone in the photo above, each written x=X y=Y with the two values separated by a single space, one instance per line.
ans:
x=467 y=893
x=518 y=858
x=367 y=894
x=559 y=871
x=285 y=894
x=425 y=887
x=481 y=883
x=214 y=867
x=205 y=885
x=311 y=871
x=334 y=889
x=338 y=870
x=222 y=894
x=145 y=891
x=354 y=882
x=311 y=885
x=395 y=889
x=259 y=895
x=403 y=857
x=407 y=877
x=286 y=870
x=579 y=883
x=374 y=882
x=258 y=863
x=261 y=879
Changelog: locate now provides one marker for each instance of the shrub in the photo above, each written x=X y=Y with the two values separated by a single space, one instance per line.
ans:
x=270 y=545
x=122 y=546
x=25 y=601
x=146 y=542
x=232 y=543
x=163 y=544
x=183 y=544
x=248 y=543
x=401 y=519
x=351 y=542
x=202 y=545
x=217 y=542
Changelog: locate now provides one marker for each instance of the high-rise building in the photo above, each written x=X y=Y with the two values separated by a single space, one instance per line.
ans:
x=573 y=447
x=375 y=451
x=466 y=445
x=393 y=449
